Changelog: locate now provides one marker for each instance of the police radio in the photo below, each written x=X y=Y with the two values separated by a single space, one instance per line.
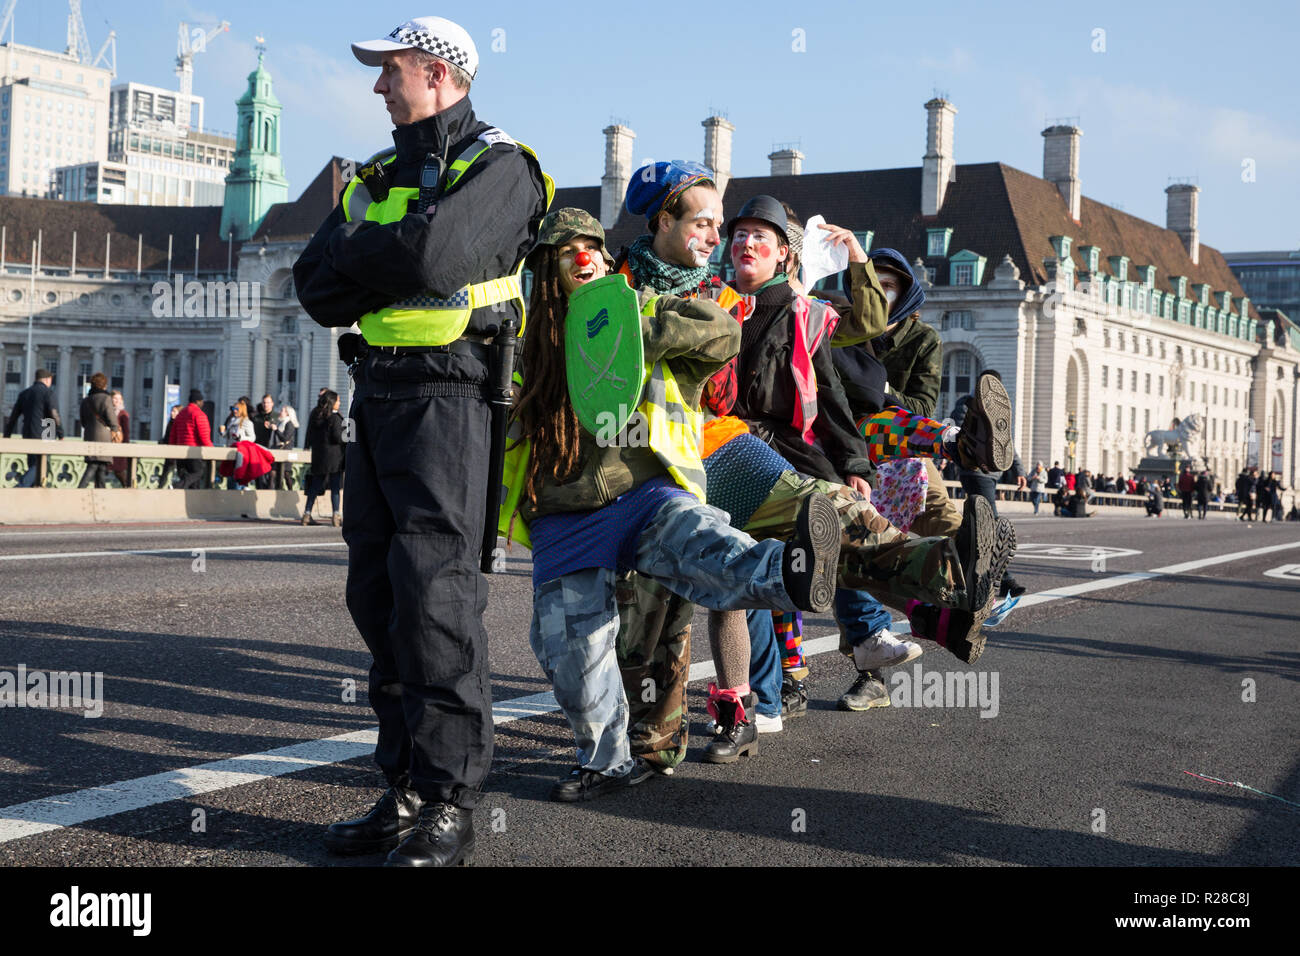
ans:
x=430 y=181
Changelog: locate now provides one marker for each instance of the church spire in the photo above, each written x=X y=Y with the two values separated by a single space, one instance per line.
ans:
x=256 y=180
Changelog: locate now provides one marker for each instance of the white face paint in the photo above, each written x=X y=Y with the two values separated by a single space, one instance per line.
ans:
x=890 y=296
x=701 y=257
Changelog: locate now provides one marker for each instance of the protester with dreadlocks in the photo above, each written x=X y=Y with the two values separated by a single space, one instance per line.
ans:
x=593 y=505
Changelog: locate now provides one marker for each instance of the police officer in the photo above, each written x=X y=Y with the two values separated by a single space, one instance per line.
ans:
x=424 y=253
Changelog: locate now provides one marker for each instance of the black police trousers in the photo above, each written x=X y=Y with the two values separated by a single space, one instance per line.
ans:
x=414 y=502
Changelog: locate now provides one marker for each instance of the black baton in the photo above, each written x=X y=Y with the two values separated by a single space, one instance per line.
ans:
x=500 y=381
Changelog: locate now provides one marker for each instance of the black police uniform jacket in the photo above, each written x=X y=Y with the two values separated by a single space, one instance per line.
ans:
x=479 y=230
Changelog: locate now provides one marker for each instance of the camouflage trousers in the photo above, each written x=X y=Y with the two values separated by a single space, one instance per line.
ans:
x=687 y=546
x=876 y=557
x=654 y=657
x=939 y=516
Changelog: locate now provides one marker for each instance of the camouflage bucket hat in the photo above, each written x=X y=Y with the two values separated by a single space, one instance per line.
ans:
x=564 y=224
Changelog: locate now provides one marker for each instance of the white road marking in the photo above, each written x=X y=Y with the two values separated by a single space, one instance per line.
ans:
x=81 y=806
x=192 y=527
x=288 y=546
x=1071 y=552
x=1287 y=572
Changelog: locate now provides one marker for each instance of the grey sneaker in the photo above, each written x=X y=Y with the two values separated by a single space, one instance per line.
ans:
x=868 y=691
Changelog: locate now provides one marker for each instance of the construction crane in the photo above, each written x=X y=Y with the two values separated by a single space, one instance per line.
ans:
x=185 y=50
x=78 y=42
x=7 y=19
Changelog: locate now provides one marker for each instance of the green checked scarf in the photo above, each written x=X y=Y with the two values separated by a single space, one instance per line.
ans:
x=664 y=277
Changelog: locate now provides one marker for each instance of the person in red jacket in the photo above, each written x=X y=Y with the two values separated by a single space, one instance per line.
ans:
x=191 y=428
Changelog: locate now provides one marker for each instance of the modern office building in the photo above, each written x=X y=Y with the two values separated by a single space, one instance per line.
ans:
x=53 y=112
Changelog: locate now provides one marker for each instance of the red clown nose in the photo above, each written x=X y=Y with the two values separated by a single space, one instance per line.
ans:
x=583 y=258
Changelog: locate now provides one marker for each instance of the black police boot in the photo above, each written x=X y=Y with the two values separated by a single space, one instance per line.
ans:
x=391 y=819
x=809 y=565
x=737 y=736
x=443 y=836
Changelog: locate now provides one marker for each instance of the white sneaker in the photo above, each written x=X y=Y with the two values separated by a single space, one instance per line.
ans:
x=882 y=649
x=766 y=724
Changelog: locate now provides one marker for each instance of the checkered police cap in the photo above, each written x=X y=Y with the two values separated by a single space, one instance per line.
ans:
x=444 y=39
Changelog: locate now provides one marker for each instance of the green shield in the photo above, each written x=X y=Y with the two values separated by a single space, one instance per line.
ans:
x=604 y=354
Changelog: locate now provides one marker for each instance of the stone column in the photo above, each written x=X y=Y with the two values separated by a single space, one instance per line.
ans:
x=306 y=394
x=159 y=396
x=130 y=389
x=187 y=372
x=63 y=388
x=97 y=360
x=259 y=369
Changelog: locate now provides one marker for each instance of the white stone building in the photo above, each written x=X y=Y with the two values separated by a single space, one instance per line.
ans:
x=103 y=299
x=1084 y=309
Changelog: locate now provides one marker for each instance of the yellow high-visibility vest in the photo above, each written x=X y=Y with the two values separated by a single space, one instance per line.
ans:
x=427 y=319
x=673 y=429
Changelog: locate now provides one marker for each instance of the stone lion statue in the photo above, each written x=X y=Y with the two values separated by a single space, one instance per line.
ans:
x=1186 y=435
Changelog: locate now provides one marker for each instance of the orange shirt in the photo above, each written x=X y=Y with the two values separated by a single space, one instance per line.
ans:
x=718 y=431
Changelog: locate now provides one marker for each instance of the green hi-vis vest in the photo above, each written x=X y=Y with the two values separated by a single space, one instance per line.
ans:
x=427 y=319
x=673 y=433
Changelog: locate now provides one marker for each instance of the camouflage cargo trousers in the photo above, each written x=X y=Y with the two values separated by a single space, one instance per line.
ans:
x=654 y=657
x=876 y=557
x=688 y=547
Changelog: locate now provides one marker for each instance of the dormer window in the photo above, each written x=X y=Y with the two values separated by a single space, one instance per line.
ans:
x=936 y=243
x=967 y=268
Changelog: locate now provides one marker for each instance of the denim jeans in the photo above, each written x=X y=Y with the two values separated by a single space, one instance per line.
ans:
x=688 y=547
x=980 y=484
x=33 y=472
x=764 y=662
x=859 y=615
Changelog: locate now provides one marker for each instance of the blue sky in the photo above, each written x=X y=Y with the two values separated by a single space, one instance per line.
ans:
x=1166 y=90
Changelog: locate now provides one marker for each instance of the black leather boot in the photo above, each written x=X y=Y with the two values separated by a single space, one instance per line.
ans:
x=809 y=563
x=391 y=819
x=444 y=836
x=738 y=737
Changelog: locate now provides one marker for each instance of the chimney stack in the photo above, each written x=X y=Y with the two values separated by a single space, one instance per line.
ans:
x=1180 y=216
x=618 y=171
x=938 y=165
x=717 y=150
x=786 y=162
x=1061 y=164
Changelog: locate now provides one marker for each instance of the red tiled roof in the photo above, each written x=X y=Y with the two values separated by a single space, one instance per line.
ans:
x=301 y=218
x=993 y=209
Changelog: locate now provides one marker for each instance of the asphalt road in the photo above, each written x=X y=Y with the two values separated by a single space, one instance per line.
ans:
x=226 y=640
